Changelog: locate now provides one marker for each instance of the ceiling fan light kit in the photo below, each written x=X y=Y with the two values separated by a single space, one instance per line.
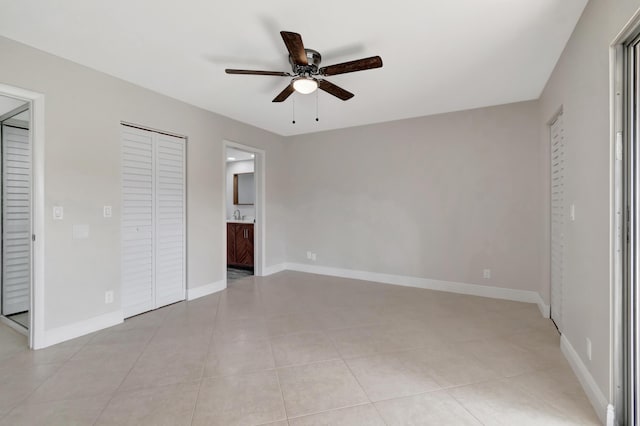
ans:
x=305 y=67
x=305 y=85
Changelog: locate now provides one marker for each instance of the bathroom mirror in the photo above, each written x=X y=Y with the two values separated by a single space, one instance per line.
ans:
x=244 y=189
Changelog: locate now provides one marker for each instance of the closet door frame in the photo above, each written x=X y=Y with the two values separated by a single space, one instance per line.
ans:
x=37 y=334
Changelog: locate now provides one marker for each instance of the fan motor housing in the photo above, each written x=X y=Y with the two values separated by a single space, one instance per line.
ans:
x=313 y=57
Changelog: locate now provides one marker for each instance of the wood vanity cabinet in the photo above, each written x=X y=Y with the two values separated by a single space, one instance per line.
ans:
x=240 y=244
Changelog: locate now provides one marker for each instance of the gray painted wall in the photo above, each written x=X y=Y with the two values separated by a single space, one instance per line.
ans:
x=439 y=197
x=580 y=85
x=82 y=160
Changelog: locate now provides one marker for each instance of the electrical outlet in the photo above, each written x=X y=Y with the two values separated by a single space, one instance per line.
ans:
x=107 y=211
x=313 y=257
x=589 y=348
x=308 y=255
x=486 y=274
x=108 y=297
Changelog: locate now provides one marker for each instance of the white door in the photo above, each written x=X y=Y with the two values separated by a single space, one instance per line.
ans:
x=557 y=219
x=16 y=219
x=137 y=222
x=153 y=220
x=170 y=219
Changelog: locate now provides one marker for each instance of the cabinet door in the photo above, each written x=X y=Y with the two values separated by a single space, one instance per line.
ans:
x=244 y=245
x=231 y=243
x=249 y=245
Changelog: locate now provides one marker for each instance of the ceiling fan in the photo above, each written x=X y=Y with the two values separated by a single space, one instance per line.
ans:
x=306 y=70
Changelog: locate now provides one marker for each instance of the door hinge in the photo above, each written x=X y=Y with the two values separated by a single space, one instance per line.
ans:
x=33 y=237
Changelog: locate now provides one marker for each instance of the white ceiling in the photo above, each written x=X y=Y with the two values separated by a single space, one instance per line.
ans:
x=438 y=56
x=238 y=155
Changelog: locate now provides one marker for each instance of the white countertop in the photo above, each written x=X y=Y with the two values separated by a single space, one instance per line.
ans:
x=239 y=221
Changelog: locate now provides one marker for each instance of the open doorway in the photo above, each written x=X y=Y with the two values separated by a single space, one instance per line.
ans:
x=240 y=195
x=243 y=211
x=15 y=224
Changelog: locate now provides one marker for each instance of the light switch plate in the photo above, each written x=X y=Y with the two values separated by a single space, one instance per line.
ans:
x=80 y=232
x=58 y=212
x=107 y=211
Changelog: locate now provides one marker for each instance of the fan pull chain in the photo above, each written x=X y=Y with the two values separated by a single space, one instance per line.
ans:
x=293 y=110
x=317 y=106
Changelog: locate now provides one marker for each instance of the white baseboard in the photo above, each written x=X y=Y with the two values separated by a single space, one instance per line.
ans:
x=426 y=283
x=611 y=415
x=71 y=331
x=595 y=395
x=545 y=309
x=205 y=290
x=273 y=269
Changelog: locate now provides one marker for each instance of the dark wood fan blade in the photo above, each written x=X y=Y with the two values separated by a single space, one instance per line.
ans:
x=352 y=66
x=334 y=90
x=253 y=72
x=293 y=41
x=284 y=94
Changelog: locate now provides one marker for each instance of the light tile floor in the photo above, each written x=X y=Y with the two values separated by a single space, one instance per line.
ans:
x=299 y=349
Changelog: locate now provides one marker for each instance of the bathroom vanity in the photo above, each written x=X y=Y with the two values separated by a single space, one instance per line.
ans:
x=240 y=244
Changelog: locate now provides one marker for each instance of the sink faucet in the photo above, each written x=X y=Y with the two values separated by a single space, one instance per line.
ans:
x=236 y=215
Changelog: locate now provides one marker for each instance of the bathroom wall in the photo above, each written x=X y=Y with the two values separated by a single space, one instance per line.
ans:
x=234 y=167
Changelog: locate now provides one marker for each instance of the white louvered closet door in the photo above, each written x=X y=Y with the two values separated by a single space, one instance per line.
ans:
x=137 y=222
x=557 y=219
x=170 y=219
x=153 y=220
x=16 y=220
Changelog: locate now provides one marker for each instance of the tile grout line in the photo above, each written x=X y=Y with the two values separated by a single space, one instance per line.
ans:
x=113 y=394
x=275 y=369
x=463 y=406
x=284 y=405
x=330 y=410
x=364 y=391
x=28 y=395
x=215 y=318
